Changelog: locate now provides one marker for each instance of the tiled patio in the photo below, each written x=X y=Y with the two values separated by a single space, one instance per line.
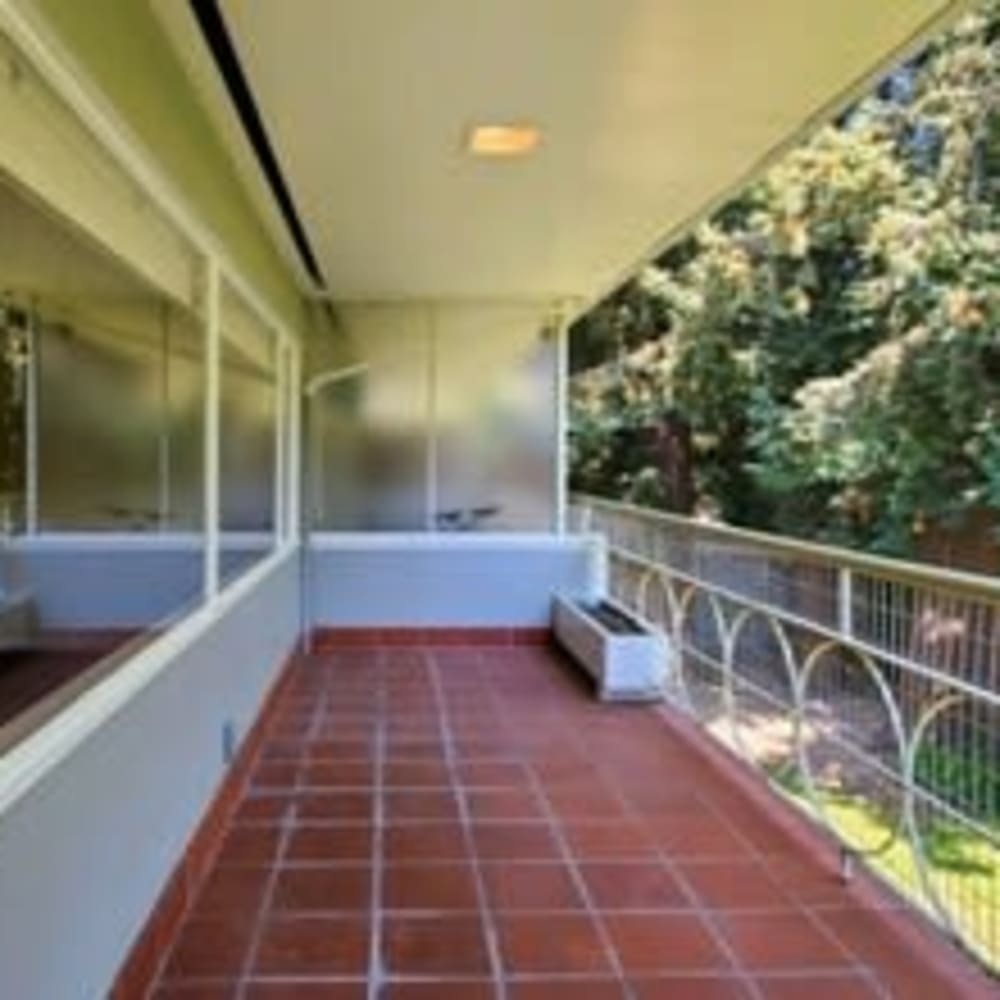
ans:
x=465 y=823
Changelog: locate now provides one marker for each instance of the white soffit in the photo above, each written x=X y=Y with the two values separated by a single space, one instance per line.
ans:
x=182 y=31
x=650 y=111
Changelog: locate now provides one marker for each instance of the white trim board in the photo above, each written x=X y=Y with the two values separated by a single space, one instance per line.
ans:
x=28 y=762
x=56 y=65
x=415 y=541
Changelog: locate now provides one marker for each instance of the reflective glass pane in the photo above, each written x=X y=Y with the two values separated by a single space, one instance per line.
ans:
x=368 y=447
x=495 y=374
x=248 y=437
x=101 y=417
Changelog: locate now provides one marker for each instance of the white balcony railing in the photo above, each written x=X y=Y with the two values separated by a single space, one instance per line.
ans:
x=866 y=690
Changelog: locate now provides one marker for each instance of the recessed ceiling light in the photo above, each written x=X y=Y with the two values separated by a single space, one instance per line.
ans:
x=503 y=140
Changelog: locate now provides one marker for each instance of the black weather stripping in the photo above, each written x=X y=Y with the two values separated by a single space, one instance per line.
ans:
x=213 y=29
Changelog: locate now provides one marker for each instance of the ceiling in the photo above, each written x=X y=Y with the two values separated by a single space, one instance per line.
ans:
x=651 y=111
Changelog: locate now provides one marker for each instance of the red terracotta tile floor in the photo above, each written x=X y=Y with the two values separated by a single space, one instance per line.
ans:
x=462 y=823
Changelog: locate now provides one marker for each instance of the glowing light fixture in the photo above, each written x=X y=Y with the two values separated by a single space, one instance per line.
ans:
x=503 y=140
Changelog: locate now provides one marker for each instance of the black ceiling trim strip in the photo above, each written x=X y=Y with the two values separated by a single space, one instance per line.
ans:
x=213 y=29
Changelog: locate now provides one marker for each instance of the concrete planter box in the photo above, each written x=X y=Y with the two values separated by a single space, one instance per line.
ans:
x=627 y=657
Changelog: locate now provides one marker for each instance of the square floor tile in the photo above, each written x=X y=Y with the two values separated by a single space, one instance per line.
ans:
x=632 y=885
x=780 y=940
x=492 y=774
x=514 y=886
x=424 y=842
x=240 y=889
x=696 y=836
x=551 y=943
x=312 y=946
x=407 y=804
x=291 y=751
x=664 y=942
x=428 y=946
x=210 y=947
x=265 y=808
x=348 y=805
x=577 y=802
x=275 y=774
x=502 y=804
x=481 y=749
x=616 y=839
x=515 y=841
x=416 y=774
x=249 y=845
x=353 y=750
x=429 y=887
x=734 y=885
x=312 y=888
x=338 y=774
x=329 y=843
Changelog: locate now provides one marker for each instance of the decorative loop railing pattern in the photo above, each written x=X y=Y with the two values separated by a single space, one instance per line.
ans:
x=866 y=690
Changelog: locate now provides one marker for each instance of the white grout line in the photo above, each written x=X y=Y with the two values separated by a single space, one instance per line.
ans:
x=264 y=908
x=487 y=922
x=321 y=720
x=760 y=858
x=703 y=914
x=552 y=820
x=708 y=914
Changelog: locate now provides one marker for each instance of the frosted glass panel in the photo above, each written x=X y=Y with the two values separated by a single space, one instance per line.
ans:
x=247 y=444
x=337 y=490
x=184 y=472
x=120 y=411
x=496 y=442
x=450 y=424
x=368 y=437
x=100 y=427
x=247 y=425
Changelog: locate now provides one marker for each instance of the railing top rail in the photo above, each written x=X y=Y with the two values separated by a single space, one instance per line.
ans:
x=949 y=681
x=934 y=577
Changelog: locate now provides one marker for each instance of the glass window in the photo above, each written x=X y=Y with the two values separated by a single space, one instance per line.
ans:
x=248 y=420
x=447 y=422
x=495 y=420
x=101 y=484
x=369 y=425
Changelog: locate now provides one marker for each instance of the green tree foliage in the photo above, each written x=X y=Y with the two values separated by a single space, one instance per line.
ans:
x=831 y=338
